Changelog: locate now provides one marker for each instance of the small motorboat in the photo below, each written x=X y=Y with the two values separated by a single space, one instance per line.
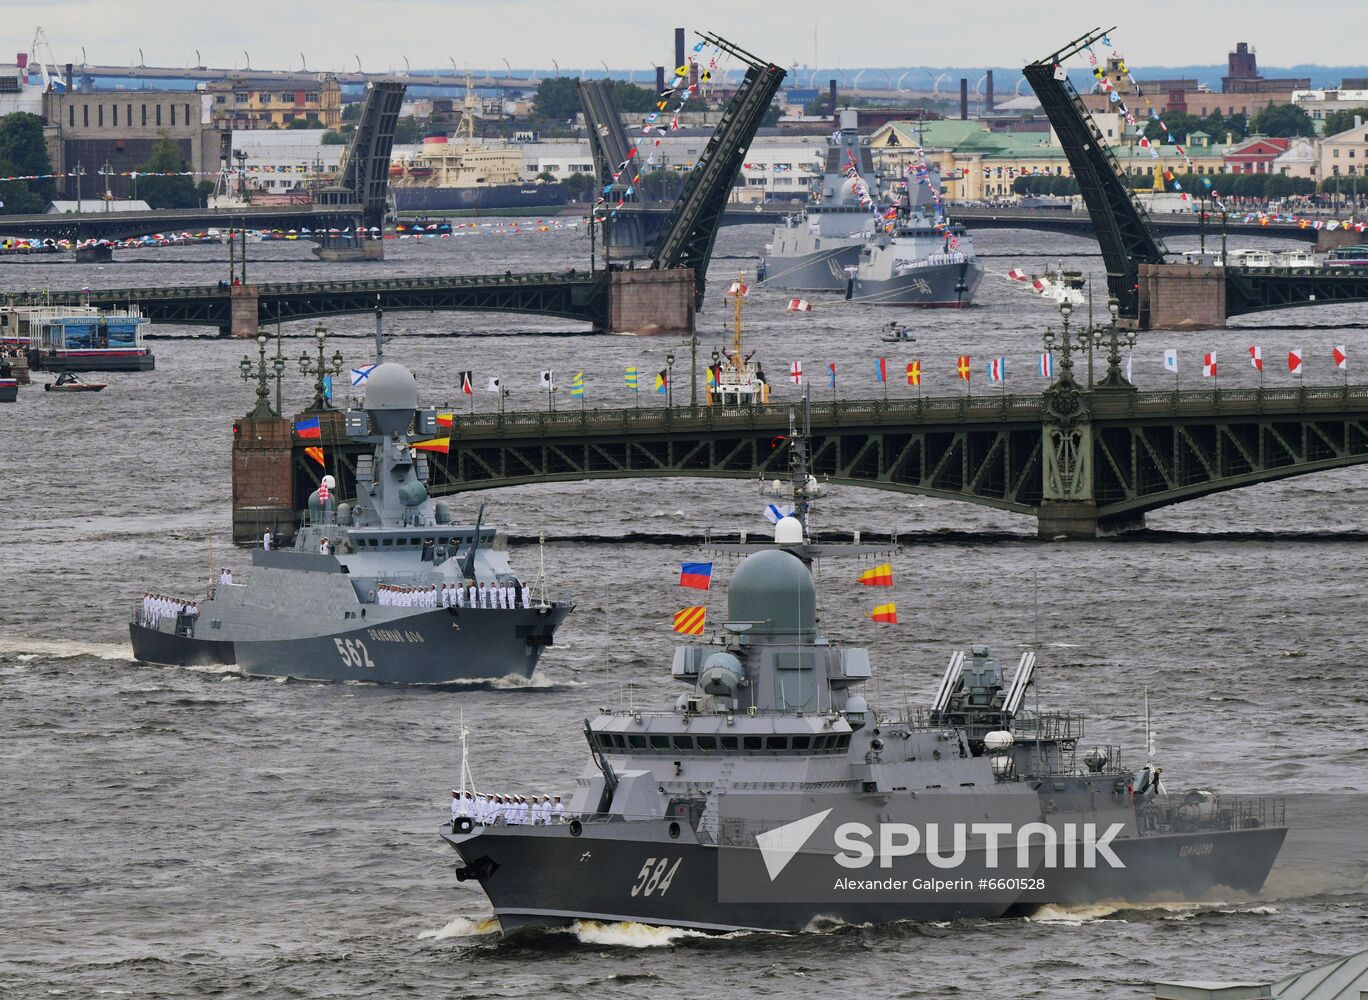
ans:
x=68 y=382
x=897 y=333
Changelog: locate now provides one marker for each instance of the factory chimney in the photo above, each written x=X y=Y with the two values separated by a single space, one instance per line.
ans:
x=831 y=89
x=660 y=79
x=679 y=48
x=70 y=78
x=964 y=98
x=988 y=95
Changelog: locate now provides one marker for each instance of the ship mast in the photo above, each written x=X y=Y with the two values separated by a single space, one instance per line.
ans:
x=468 y=118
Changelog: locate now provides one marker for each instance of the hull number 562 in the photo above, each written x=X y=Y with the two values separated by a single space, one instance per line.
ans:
x=354 y=653
x=655 y=876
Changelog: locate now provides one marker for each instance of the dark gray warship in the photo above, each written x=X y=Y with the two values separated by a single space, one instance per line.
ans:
x=759 y=799
x=383 y=587
x=810 y=252
x=919 y=258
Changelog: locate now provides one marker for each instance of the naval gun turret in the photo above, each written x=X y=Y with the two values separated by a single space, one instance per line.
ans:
x=770 y=656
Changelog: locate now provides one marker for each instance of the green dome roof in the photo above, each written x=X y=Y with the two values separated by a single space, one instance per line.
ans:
x=774 y=589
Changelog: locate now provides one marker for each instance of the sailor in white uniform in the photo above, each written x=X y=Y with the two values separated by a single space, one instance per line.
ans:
x=558 y=810
x=266 y=540
x=527 y=596
x=473 y=597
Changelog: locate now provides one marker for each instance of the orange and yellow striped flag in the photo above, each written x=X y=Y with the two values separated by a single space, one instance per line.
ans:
x=433 y=444
x=878 y=576
x=315 y=453
x=886 y=613
x=445 y=419
x=690 y=620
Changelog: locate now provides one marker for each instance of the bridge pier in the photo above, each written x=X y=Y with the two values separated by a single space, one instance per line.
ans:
x=651 y=301
x=98 y=253
x=1329 y=239
x=263 y=487
x=1182 y=297
x=343 y=253
x=243 y=311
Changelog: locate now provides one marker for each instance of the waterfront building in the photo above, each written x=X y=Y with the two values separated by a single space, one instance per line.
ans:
x=1345 y=154
x=260 y=103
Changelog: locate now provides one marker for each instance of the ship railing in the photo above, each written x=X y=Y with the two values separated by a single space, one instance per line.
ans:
x=1049 y=726
x=1189 y=812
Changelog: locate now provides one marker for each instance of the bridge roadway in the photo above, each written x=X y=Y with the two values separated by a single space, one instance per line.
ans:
x=123 y=225
x=579 y=296
x=1140 y=451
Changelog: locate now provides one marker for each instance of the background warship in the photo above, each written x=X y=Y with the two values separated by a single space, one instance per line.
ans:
x=360 y=594
x=922 y=261
x=714 y=815
x=810 y=252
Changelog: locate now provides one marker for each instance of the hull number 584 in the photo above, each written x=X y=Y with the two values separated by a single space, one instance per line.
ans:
x=354 y=653
x=655 y=876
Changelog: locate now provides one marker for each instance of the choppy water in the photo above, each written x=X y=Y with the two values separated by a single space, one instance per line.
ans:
x=168 y=833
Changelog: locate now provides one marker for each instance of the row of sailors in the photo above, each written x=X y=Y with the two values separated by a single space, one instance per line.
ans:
x=454 y=595
x=514 y=810
x=155 y=607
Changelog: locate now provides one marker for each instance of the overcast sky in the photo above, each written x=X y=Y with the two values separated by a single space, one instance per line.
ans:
x=576 y=33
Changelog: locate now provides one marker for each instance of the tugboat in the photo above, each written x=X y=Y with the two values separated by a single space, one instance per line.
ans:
x=734 y=378
x=758 y=801
x=383 y=587
x=921 y=260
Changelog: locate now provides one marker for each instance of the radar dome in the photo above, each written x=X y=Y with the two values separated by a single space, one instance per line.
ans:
x=788 y=531
x=774 y=590
x=391 y=387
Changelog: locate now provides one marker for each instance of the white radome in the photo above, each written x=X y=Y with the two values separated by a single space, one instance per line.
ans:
x=788 y=531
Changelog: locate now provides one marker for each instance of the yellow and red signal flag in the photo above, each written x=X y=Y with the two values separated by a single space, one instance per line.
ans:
x=433 y=444
x=886 y=613
x=962 y=366
x=315 y=453
x=690 y=621
x=914 y=373
x=445 y=419
x=877 y=576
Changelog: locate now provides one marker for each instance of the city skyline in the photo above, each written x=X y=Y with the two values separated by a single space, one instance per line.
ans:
x=480 y=34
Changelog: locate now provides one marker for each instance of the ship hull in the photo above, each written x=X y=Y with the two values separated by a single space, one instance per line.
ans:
x=820 y=271
x=927 y=287
x=431 y=647
x=98 y=361
x=545 y=876
x=1179 y=867
x=488 y=198
x=9 y=390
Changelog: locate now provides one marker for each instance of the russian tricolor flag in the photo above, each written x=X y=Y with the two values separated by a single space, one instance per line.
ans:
x=308 y=428
x=696 y=575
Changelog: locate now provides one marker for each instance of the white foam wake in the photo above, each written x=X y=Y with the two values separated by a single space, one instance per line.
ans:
x=462 y=927
x=61 y=649
x=629 y=935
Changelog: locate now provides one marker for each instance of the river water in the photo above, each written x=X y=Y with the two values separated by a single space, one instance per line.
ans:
x=171 y=833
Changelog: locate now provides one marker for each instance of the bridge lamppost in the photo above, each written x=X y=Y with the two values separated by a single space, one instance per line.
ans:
x=1115 y=379
x=322 y=369
x=669 y=379
x=249 y=371
x=278 y=366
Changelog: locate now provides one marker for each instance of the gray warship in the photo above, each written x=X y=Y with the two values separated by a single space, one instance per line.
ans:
x=722 y=813
x=922 y=261
x=368 y=590
x=810 y=251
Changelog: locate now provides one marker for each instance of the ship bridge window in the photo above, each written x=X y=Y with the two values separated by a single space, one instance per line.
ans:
x=636 y=742
x=660 y=743
x=730 y=743
x=776 y=743
x=682 y=742
x=388 y=542
x=802 y=742
x=707 y=742
x=751 y=742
